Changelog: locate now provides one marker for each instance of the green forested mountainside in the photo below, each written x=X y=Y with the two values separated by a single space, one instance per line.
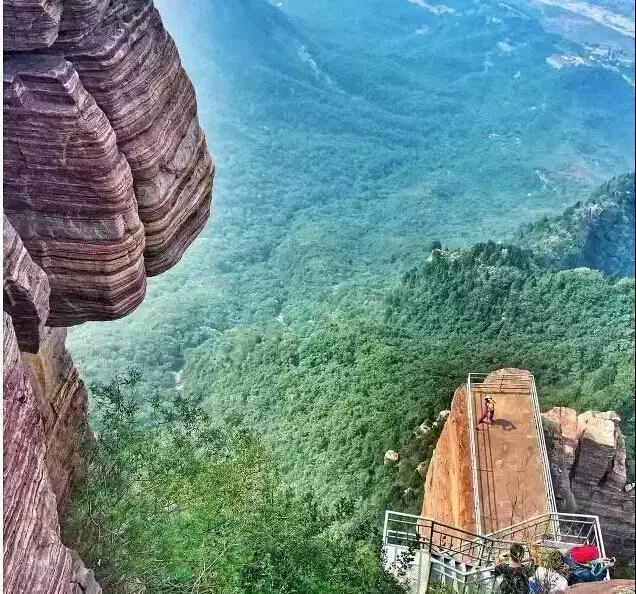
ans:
x=598 y=233
x=315 y=326
x=333 y=394
x=340 y=156
x=177 y=503
x=273 y=451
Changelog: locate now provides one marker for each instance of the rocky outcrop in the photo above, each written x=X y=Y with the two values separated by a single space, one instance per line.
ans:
x=587 y=460
x=153 y=113
x=68 y=192
x=107 y=180
x=107 y=177
x=30 y=24
x=25 y=290
x=448 y=486
x=61 y=400
x=609 y=587
x=35 y=560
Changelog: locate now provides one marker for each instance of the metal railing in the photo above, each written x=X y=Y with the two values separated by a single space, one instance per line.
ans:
x=473 y=455
x=464 y=581
x=559 y=530
x=477 y=553
x=543 y=452
x=515 y=383
x=431 y=536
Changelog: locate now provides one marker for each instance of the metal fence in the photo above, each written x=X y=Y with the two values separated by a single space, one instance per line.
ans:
x=406 y=530
x=467 y=560
x=523 y=384
x=473 y=455
x=545 y=462
x=559 y=530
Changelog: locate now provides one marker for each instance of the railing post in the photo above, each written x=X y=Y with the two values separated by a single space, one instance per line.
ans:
x=543 y=452
x=473 y=456
x=386 y=526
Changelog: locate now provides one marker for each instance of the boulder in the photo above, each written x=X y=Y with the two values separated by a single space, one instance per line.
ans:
x=391 y=457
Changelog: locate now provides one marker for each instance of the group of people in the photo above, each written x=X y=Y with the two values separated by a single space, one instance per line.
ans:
x=549 y=571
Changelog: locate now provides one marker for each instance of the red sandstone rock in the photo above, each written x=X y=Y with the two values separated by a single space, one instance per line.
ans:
x=30 y=24
x=587 y=459
x=79 y=17
x=609 y=587
x=61 y=400
x=448 y=488
x=152 y=110
x=68 y=192
x=26 y=290
x=106 y=179
x=35 y=560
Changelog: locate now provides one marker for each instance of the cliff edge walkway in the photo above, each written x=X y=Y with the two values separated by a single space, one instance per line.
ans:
x=510 y=469
x=504 y=485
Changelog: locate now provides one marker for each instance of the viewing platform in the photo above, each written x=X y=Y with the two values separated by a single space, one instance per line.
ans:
x=490 y=487
x=509 y=463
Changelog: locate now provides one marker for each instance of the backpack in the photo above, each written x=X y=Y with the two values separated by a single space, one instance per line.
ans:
x=514 y=581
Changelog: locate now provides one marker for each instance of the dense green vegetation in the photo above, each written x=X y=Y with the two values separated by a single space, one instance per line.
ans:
x=273 y=453
x=179 y=504
x=333 y=394
x=598 y=233
x=341 y=156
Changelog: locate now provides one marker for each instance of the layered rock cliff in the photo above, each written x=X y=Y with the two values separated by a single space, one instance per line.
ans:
x=107 y=180
x=587 y=460
x=448 y=487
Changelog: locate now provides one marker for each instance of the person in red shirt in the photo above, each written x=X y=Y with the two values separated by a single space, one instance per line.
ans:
x=487 y=411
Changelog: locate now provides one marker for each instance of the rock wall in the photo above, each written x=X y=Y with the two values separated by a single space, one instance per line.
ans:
x=35 y=560
x=107 y=180
x=587 y=460
x=448 y=487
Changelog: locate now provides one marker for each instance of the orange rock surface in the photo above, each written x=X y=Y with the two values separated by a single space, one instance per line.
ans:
x=510 y=480
x=448 y=489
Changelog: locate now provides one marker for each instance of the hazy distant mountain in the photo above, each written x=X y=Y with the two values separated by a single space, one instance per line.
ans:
x=241 y=37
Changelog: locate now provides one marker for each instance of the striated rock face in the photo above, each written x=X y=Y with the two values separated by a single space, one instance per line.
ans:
x=587 y=459
x=107 y=179
x=79 y=17
x=30 y=24
x=68 y=192
x=61 y=400
x=153 y=113
x=34 y=558
x=107 y=176
x=25 y=290
x=448 y=486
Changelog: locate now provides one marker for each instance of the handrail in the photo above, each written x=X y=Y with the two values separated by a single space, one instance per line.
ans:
x=477 y=552
x=545 y=461
x=473 y=456
x=526 y=381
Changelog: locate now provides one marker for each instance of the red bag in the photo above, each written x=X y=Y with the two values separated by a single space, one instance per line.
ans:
x=584 y=553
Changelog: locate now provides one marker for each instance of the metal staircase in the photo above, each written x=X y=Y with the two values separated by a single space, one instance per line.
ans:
x=422 y=551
